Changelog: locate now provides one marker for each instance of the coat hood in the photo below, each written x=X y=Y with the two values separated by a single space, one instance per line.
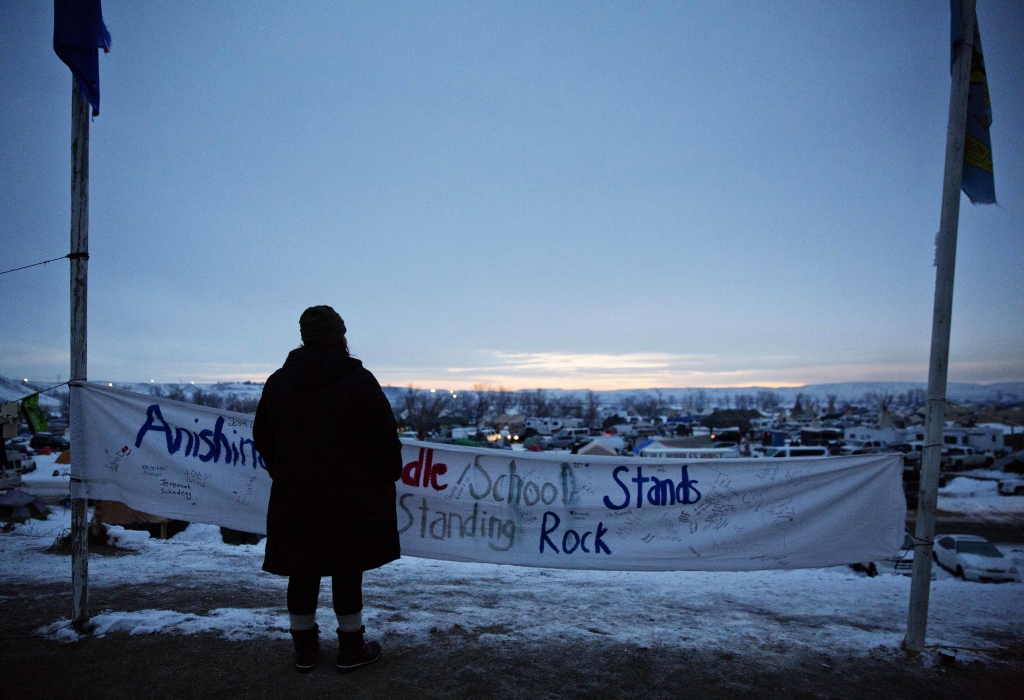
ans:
x=317 y=366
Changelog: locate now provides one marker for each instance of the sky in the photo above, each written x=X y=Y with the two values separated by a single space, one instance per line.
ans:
x=561 y=195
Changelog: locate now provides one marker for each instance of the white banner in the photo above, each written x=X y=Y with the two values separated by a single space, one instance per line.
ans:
x=198 y=464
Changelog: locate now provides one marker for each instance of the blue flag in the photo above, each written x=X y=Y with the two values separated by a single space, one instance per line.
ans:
x=978 y=179
x=78 y=32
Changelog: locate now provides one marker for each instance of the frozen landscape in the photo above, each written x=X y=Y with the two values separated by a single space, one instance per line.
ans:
x=193 y=586
x=833 y=609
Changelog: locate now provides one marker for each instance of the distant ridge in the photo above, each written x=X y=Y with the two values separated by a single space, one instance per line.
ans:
x=1011 y=392
x=1004 y=392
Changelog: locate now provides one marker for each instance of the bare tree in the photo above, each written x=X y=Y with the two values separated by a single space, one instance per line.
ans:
x=460 y=408
x=644 y=405
x=534 y=403
x=591 y=408
x=767 y=400
x=503 y=400
x=423 y=409
x=241 y=404
x=567 y=405
x=177 y=393
x=916 y=398
x=482 y=404
x=208 y=398
x=700 y=402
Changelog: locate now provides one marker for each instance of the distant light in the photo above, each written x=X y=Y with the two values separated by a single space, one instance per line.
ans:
x=26 y=379
x=431 y=391
x=193 y=382
x=455 y=396
x=151 y=381
x=110 y=384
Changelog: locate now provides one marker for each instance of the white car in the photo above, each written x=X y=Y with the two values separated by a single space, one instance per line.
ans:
x=973 y=558
x=21 y=463
x=1013 y=486
x=788 y=451
x=861 y=447
x=20 y=444
x=902 y=563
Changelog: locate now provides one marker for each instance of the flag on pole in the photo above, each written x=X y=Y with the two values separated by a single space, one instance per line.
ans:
x=34 y=415
x=978 y=179
x=78 y=31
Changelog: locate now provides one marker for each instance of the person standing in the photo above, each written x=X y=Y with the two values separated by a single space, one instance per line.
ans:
x=329 y=440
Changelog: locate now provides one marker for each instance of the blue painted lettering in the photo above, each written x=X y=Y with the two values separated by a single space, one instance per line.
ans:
x=625 y=491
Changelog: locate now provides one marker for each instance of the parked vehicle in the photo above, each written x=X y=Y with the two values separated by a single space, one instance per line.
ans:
x=20 y=444
x=917 y=455
x=658 y=451
x=861 y=447
x=56 y=443
x=22 y=464
x=790 y=451
x=549 y=426
x=733 y=435
x=822 y=437
x=575 y=433
x=1013 y=486
x=489 y=434
x=911 y=456
x=967 y=457
x=1012 y=463
x=973 y=558
x=902 y=563
x=567 y=437
x=9 y=477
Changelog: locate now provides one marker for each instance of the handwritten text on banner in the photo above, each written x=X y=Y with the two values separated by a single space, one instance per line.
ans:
x=558 y=510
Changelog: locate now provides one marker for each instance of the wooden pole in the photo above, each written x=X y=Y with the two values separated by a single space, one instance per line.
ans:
x=80 y=112
x=945 y=264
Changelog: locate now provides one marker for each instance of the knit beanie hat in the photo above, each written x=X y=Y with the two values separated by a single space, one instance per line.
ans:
x=321 y=325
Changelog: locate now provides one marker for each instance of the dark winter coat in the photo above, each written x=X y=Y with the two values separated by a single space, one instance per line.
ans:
x=327 y=435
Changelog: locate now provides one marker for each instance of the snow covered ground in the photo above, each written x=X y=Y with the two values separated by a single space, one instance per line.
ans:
x=836 y=610
x=50 y=481
x=979 y=497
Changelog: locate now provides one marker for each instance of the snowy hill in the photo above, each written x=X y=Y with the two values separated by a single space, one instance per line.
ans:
x=244 y=395
x=1010 y=392
x=13 y=390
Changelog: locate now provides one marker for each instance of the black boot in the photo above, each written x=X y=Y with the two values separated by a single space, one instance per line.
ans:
x=354 y=652
x=307 y=648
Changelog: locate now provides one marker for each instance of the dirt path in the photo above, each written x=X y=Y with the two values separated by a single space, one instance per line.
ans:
x=455 y=662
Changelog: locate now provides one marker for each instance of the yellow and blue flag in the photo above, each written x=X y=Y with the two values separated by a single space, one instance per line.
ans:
x=978 y=178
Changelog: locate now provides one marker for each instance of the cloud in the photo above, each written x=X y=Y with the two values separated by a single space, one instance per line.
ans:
x=605 y=371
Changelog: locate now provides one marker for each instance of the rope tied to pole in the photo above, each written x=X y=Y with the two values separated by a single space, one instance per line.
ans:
x=55 y=386
x=69 y=256
x=919 y=542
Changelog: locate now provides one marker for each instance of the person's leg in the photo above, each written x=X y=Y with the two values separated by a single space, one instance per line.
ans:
x=354 y=651
x=347 y=590
x=303 y=592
